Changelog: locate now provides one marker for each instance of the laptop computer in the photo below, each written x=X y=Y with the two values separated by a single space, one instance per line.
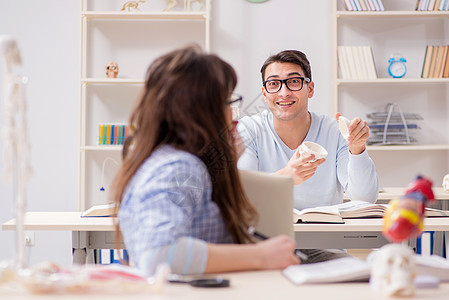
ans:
x=272 y=195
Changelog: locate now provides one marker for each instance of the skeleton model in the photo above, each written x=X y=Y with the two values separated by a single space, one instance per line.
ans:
x=393 y=270
x=134 y=5
x=404 y=217
x=172 y=3
x=111 y=69
x=15 y=136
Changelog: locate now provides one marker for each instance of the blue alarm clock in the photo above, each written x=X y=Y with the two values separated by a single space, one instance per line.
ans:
x=397 y=67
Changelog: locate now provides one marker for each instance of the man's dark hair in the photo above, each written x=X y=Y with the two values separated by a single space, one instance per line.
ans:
x=289 y=56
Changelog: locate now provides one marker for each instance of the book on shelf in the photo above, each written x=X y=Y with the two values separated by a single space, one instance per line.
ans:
x=442 y=62
x=343 y=63
x=427 y=59
x=112 y=134
x=361 y=62
x=348 y=5
x=354 y=209
x=371 y=5
x=102 y=210
x=350 y=269
x=369 y=58
x=356 y=62
x=357 y=5
x=446 y=64
x=436 y=62
x=433 y=60
x=444 y=5
x=381 y=5
x=363 y=5
x=432 y=5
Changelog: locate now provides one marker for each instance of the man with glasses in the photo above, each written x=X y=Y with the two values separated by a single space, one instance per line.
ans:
x=272 y=138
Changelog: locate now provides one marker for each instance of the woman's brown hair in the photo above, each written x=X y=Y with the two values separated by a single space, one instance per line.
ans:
x=183 y=105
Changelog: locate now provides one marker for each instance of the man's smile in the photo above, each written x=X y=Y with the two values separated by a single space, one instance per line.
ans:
x=285 y=103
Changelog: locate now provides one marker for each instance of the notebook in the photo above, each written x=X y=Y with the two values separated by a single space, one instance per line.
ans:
x=272 y=195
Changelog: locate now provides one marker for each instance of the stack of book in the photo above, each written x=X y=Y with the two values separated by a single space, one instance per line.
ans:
x=356 y=62
x=436 y=62
x=427 y=5
x=364 y=5
x=112 y=134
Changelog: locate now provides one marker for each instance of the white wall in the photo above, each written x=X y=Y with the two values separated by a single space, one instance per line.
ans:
x=47 y=32
x=245 y=34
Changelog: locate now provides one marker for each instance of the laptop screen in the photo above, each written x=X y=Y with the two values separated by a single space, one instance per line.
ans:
x=272 y=195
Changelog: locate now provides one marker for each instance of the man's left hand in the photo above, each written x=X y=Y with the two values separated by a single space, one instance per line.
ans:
x=358 y=135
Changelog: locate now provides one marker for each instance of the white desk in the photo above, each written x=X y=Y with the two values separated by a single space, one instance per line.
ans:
x=361 y=234
x=259 y=285
x=87 y=233
x=389 y=193
x=99 y=232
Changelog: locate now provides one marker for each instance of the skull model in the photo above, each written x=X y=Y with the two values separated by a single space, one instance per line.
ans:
x=446 y=183
x=111 y=69
x=393 y=270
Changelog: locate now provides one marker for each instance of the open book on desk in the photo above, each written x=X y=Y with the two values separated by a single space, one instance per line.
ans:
x=350 y=210
x=337 y=213
x=355 y=269
x=102 y=210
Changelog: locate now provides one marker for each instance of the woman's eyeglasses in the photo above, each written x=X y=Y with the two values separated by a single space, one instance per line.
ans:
x=236 y=100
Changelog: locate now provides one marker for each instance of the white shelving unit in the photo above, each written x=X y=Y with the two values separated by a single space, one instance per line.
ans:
x=398 y=29
x=133 y=40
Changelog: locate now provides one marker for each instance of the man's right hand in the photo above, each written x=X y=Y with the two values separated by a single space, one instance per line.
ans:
x=300 y=167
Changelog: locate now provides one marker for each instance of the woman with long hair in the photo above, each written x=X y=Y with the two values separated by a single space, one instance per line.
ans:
x=180 y=196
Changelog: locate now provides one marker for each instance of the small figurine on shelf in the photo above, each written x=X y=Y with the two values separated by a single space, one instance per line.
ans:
x=134 y=5
x=111 y=69
x=446 y=183
x=172 y=3
x=404 y=217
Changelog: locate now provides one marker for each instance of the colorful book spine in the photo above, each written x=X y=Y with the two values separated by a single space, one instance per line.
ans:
x=112 y=134
x=101 y=134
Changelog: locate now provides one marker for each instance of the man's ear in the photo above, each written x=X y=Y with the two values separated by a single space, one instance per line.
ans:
x=310 y=89
x=264 y=95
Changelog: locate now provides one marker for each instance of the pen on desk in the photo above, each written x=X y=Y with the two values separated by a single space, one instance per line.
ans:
x=253 y=232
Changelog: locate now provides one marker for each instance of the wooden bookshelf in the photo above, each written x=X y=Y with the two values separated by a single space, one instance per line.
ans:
x=133 y=39
x=388 y=32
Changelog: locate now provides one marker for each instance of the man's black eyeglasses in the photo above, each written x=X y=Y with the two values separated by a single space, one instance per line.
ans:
x=236 y=100
x=293 y=84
